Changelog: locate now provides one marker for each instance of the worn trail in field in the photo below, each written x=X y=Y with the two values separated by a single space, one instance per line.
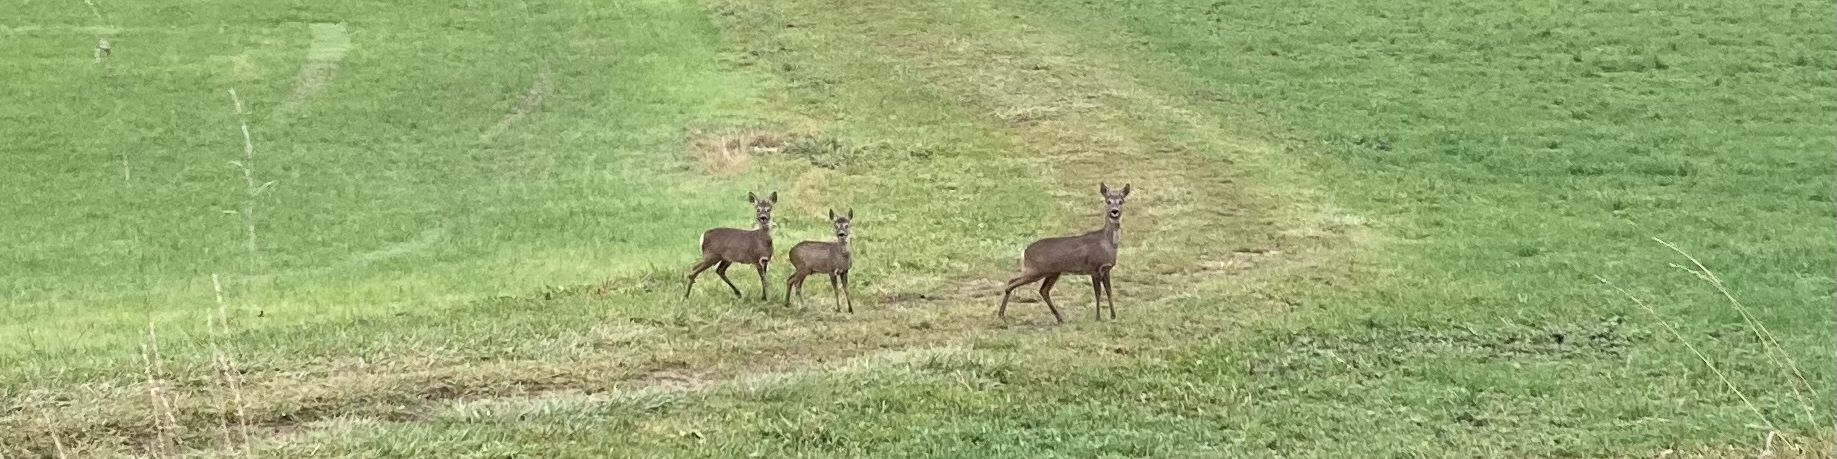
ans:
x=527 y=104
x=330 y=43
x=1206 y=196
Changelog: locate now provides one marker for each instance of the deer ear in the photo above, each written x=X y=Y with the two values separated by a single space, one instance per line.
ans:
x=750 y=197
x=832 y=215
x=1125 y=190
x=773 y=198
x=1103 y=189
x=851 y=214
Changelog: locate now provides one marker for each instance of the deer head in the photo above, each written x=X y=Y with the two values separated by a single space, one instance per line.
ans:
x=841 y=222
x=762 y=208
x=1113 y=202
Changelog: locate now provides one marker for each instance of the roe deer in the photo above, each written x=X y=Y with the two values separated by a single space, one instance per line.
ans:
x=1092 y=253
x=722 y=247
x=832 y=258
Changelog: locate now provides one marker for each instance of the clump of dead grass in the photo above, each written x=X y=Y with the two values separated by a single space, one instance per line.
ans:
x=728 y=151
x=164 y=423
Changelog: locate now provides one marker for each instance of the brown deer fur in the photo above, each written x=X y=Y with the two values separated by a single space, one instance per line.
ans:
x=832 y=258
x=1092 y=253
x=722 y=247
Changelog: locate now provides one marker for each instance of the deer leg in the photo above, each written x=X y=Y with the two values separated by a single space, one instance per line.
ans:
x=721 y=269
x=1097 y=292
x=836 y=290
x=1109 y=291
x=800 y=286
x=696 y=271
x=790 y=283
x=847 y=293
x=1024 y=279
x=1046 y=294
x=762 y=285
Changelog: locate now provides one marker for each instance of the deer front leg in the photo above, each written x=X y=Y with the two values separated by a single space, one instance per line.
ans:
x=763 y=289
x=847 y=293
x=1097 y=292
x=836 y=290
x=1109 y=291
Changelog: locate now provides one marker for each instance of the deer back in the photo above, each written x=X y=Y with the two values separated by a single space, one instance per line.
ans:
x=1084 y=253
x=737 y=245
x=814 y=256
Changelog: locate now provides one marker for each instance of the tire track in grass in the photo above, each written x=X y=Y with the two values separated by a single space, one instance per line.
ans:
x=330 y=43
x=427 y=239
x=531 y=100
x=1206 y=194
x=647 y=356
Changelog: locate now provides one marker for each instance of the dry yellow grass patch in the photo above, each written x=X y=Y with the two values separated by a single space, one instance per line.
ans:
x=728 y=151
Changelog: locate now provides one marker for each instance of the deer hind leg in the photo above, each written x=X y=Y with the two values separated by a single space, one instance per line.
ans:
x=800 y=286
x=1046 y=294
x=1026 y=277
x=697 y=271
x=721 y=269
x=847 y=294
x=793 y=282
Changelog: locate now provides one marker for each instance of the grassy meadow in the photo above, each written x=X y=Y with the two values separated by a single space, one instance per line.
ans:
x=1393 y=228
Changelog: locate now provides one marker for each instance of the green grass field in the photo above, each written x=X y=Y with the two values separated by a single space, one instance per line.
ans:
x=1393 y=228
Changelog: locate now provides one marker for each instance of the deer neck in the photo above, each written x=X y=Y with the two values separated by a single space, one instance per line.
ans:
x=764 y=229
x=1113 y=232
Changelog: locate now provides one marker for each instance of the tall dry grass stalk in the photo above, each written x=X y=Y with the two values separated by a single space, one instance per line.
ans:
x=102 y=51
x=1693 y=349
x=247 y=165
x=223 y=308
x=1770 y=345
x=57 y=442
x=104 y=58
x=165 y=425
x=223 y=402
x=228 y=377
